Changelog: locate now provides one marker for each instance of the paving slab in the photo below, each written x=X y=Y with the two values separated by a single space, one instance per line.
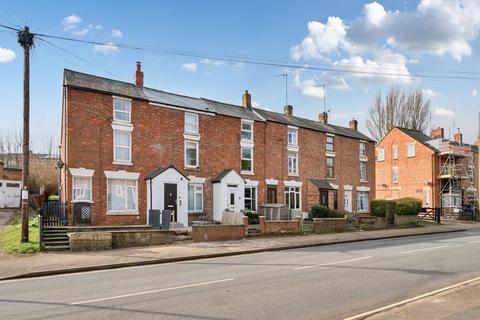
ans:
x=65 y=262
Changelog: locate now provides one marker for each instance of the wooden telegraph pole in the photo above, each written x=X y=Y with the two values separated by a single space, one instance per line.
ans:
x=25 y=39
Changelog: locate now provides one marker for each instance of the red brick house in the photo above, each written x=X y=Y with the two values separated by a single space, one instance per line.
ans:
x=440 y=172
x=128 y=148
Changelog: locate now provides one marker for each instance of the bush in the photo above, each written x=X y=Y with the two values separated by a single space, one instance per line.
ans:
x=252 y=217
x=380 y=208
x=320 y=211
x=408 y=206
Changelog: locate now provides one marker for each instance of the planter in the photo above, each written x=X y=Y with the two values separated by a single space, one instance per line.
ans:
x=407 y=220
x=218 y=232
x=330 y=225
x=281 y=226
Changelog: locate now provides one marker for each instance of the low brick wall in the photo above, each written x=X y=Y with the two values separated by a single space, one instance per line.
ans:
x=329 y=225
x=124 y=239
x=401 y=220
x=218 y=232
x=372 y=221
x=281 y=226
x=86 y=241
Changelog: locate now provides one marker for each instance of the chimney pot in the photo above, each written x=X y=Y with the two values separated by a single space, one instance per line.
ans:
x=139 y=75
x=246 y=100
x=323 y=117
x=438 y=133
x=288 y=110
x=353 y=124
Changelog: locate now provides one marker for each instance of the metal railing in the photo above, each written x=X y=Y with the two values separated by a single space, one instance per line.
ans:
x=54 y=214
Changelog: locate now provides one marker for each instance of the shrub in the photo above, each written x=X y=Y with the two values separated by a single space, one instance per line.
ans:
x=408 y=206
x=321 y=211
x=252 y=217
x=381 y=208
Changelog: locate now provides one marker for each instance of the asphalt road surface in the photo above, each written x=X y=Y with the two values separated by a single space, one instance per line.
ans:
x=328 y=282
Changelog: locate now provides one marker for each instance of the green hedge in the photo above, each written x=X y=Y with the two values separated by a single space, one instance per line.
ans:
x=403 y=206
x=252 y=217
x=321 y=211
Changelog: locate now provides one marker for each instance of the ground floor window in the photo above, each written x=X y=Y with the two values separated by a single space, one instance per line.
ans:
x=250 y=198
x=362 y=201
x=292 y=197
x=82 y=189
x=122 y=195
x=195 y=198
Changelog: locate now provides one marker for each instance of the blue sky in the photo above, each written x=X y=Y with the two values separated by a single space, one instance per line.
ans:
x=403 y=38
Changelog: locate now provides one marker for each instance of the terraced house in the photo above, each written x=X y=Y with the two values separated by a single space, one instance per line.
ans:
x=128 y=148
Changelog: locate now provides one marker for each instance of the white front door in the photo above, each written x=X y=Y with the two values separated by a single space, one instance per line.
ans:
x=232 y=194
x=347 y=200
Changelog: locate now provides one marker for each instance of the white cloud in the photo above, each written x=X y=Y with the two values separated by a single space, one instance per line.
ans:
x=374 y=13
x=443 y=112
x=95 y=26
x=321 y=39
x=192 y=66
x=82 y=32
x=212 y=62
x=6 y=55
x=117 y=33
x=107 y=48
x=309 y=87
x=71 y=22
x=429 y=93
x=474 y=93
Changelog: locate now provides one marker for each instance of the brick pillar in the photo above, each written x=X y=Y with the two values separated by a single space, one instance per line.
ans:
x=262 y=224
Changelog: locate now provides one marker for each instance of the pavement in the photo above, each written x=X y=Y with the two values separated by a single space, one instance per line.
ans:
x=67 y=262
x=321 y=282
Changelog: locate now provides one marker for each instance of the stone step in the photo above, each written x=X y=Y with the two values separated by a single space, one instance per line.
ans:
x=57 y=243
x=48 y=239
x=56 y=248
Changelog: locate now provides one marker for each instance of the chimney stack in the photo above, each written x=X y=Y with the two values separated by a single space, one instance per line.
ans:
x=139 y=75
x=247 y=100
x=323 y=117
x=438 y=133
x=353 y=124
x=458 y=137
x=288 y=110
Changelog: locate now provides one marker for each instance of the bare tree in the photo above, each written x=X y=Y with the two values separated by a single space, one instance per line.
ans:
x=408 y=110
x=10 y=148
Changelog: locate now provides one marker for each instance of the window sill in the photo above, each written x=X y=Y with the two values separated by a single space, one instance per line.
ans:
x=363 y=181
x=123 y=163
x=293 y=175
x=122 y=213
x=192 y=168
x=247 y=173
x=77 y=201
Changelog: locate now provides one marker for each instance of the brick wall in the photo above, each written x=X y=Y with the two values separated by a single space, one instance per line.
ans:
x=10 y=173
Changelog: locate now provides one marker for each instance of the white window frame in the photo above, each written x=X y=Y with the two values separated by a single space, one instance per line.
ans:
x=330 y=136
x=187 y=114
x=197 y=189
x=294 y=171
x=197 y=154
x=292 y=189
x=326 y=168
x=380 y=154
x=122 y=161
x=292 y=136
x=409 y=154
x=250 y=123
x=394 y=152
x=362 y=149
x=246 y=159
x=126 y=211
x=359 y=195
x=395 y=175
x=253 y=192
x=123 y=100
x=363 y=169
x=89 y=188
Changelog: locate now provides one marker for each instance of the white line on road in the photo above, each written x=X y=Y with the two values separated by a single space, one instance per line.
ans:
x=152 y=291
x=333 y=263
x=420 y=250
x=476 y=241
x=404 y=302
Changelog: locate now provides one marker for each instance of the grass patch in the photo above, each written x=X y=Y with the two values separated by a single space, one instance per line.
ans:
x=10 y=238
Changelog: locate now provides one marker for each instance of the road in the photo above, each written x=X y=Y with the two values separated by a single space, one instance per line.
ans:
x=328 y=282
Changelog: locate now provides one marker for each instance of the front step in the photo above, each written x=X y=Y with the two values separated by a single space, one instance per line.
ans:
x=57 y=248
x=55 y=239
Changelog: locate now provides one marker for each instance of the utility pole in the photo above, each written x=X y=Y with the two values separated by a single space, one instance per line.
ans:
x=25 y=39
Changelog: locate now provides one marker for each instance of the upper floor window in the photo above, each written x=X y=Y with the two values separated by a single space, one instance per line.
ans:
x=247 y=130
x=293 y=162
x=363 y=171
x=191 y=154
x=395 y=174
x=122 y=141
x=330 y=167
x=362 y=149
x=293 y=136
x=191 y=122
x=380 y=154
x=410 y=150
x=395 y=152
x=247 y=160
x=122 y=110
x=329 y=146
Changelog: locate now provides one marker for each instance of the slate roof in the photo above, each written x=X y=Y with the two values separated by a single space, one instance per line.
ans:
x=160 y=170
x=90 y=82
x=321 y=183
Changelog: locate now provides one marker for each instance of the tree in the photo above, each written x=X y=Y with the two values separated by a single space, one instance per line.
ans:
x=398 y=109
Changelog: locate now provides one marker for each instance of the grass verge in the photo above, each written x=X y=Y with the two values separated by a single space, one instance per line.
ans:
x=10 y=237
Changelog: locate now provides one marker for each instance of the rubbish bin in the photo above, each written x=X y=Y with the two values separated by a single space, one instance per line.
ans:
x=166 y=216
x=154 y=218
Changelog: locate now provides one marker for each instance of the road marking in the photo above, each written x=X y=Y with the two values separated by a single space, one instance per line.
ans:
x=152 y=291
x=425 y=249
x=333 y=263
x=404 y=302
x=476 y=241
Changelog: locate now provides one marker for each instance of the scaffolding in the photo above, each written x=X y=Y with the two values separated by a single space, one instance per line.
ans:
x=458 y=194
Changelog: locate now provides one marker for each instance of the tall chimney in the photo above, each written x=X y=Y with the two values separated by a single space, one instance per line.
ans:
x=323 y=117
x=458 y=137
x=247 y=100
x=139 y=75
x=353 y=124
x=288 y=110
x=438 y=133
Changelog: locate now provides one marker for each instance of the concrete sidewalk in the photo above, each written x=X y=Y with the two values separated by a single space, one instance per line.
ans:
x=462 y=302
x=64 y=262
